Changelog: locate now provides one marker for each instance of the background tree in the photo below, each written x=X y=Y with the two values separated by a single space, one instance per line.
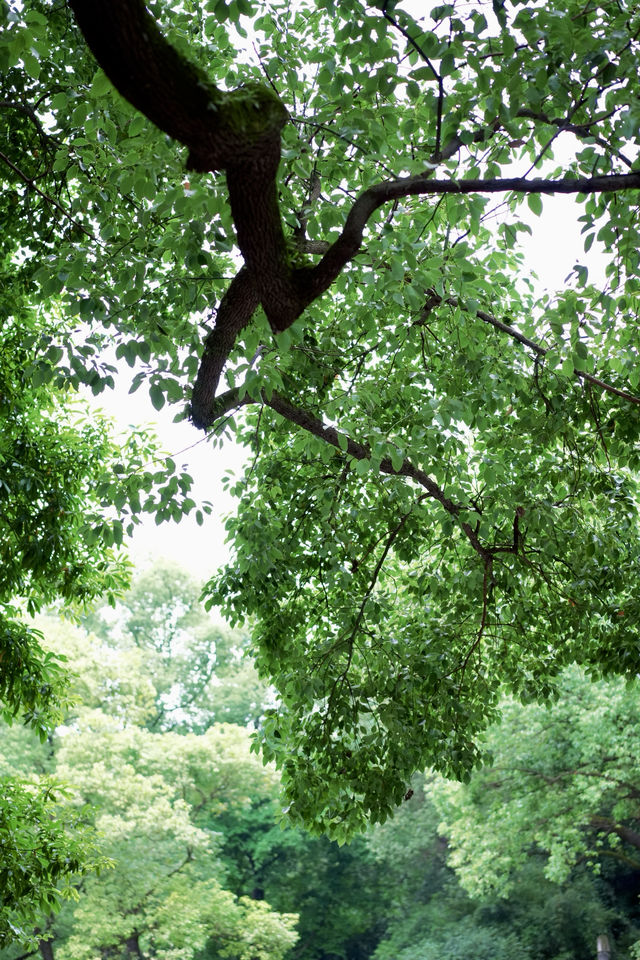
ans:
x=429 y=910
x=514 y=864
x=154 y=800
x=200 y=670
x=442 y=501
x=562 y=785
x=62 y=470
x=339 y=894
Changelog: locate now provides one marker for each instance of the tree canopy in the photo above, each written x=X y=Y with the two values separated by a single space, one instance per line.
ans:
x=442 y=498
x=563 y=782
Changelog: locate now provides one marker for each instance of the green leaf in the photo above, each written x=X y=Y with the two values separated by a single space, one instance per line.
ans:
x=100 y=85
x=534 y=202
x=156 y=394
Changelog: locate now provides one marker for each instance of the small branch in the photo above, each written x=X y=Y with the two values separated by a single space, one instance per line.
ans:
x=390 y=540
x=434 y=300
x=576 y=106
x=410 y=40
x=45 y=196
x=486 y=580
x=380 y=563
x=581 y=130
x=33 y=116
x=300 y=232
x=481 y=135
x=437 y=76
x=607 y=386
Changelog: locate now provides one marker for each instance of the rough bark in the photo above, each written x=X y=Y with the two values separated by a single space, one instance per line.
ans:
x=46 y=949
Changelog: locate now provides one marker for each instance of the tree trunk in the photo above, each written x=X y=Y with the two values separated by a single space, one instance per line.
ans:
x=132 y=946
x=46 y=949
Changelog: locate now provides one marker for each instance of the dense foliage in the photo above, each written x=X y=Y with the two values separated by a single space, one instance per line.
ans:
x=152 y=798
x=442 y=500
x=62 y=471
x=535 y=858
x=565 y=782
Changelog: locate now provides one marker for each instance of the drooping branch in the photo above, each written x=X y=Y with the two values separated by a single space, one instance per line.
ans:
x=233 y=399
x=435 y=300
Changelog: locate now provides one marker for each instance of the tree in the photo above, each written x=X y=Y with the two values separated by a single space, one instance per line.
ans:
x=442 y=501
x=153 y=800
x=562 y=782
x=429 y=912
x=165 y=642
x=339 y=893
x=200 y=671
x=62 y=472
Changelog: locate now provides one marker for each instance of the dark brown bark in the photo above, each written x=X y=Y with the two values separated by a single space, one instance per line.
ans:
x=175 y=94
x=236 y=132
x=132 y=946
x=46 y=949
x=234 y=313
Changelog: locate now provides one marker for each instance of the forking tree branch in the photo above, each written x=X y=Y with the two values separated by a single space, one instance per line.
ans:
x=239 y=133
x=235 y=398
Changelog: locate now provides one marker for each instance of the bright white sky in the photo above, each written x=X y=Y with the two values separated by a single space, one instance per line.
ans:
x=201 y=550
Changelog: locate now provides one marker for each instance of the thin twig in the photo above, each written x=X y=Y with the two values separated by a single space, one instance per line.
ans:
x=30 y=182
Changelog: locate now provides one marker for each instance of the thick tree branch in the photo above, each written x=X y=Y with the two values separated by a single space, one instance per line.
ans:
x=219 y=128
x=238 y=132
x=312 y=282
x=348 y=243
x=234 y=313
